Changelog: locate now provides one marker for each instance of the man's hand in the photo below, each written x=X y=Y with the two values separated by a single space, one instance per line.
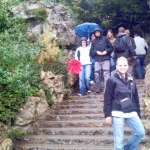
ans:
x=109 y=120
x=134 y=57
x=99 y=53
x=104 y=52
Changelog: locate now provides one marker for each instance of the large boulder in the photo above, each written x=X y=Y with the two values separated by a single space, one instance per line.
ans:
x=55 y=83
x=147 y=80
x=31 y=110
x=7 y=144
x=59 y=21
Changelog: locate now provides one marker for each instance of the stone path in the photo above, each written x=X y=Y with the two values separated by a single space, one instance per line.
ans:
x=75 y=124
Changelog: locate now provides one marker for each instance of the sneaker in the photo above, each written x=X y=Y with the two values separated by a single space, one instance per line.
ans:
x=92 y=82
x=89 y=91
x=79 y=94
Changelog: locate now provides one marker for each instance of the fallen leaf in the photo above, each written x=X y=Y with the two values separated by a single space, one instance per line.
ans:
x=42 y=140
x=88 y=141
x=51 y=125
x=90 y=124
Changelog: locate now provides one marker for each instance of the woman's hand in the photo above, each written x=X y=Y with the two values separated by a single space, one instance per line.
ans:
x=109 y=120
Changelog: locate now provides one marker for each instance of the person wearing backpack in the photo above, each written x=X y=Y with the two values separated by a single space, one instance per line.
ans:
x=124 y=47
x=100 y=51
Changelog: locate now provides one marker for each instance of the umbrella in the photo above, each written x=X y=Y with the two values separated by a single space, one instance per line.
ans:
x=74 y=66
x=86 y=29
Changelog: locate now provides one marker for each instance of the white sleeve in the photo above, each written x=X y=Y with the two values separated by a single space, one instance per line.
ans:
x=145 y=43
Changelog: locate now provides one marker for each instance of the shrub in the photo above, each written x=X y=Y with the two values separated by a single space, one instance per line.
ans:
x=19 y=69
x=50 y=52
x=40 y=14
x=15 y=133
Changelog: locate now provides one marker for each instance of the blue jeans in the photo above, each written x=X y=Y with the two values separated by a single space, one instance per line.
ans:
x=84 y=79
x=112 y=63
x=139 y=65
x=137 y=128
x=92 y=78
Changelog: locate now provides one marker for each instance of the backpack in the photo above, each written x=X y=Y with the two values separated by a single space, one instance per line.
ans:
x=119 y=45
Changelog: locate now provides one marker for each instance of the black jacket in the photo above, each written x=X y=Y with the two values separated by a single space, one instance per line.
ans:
x=116 y=90
x=129 y=48
x=101 y=44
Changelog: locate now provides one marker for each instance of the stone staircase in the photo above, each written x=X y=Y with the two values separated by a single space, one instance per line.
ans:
x=75 y=124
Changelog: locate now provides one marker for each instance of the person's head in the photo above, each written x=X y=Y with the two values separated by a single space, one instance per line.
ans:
x=83 y=41
x=121 y=30
x=136 y=34
x=122 y=65
x=110 y=34
x=92 y=36
x=127 y=32
x=97 y=32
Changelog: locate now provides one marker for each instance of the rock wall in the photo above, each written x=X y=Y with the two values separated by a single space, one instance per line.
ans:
x=147 y=80
x=5 y=143
x=59 y=21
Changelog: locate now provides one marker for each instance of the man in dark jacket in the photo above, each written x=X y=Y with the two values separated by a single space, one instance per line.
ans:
x=100 y=51
x=129 y=50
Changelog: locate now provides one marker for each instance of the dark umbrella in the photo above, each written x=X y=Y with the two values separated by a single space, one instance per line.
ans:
x=86 y=29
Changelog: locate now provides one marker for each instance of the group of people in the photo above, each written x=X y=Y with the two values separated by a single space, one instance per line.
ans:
x=121 y=100
x=99 y=54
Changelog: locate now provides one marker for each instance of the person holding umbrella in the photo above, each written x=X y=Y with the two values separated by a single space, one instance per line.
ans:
x=101 y=49
x=82 y=55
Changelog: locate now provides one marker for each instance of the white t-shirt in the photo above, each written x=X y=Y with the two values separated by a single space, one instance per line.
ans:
x=84 y=56
x=140 y=45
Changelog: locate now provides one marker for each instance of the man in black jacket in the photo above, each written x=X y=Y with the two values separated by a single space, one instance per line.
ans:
x=100 y=51
x=128 y=48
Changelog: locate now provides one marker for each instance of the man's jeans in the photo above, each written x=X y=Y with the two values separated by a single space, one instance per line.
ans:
x=92 y=78
x=112 y=64
x=84 y=79
x=139 y=65
x=137 y=128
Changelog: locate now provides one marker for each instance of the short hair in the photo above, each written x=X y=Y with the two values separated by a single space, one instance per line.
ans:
x=110 y=32
x=136 y=33
x=121 y=30
x=121 y=58
x=127 y=31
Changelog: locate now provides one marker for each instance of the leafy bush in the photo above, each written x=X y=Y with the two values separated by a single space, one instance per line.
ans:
x=50 y=52
x=19 y=70
x=15 y=133
x=40 y=14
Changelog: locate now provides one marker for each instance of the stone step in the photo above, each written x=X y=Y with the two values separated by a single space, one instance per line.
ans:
x=52 y=117
x=95 y=116
x=71 y=139
x=60 y=147
x=90 y=101
x=73 y=123
x=82 y=111
x=75 y=131
x=91 y=106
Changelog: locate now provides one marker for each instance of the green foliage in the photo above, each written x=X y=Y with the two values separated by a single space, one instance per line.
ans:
x=56 y=67
x=49 y=97
x=19 y=70
x=40 y=14
x=15 y=133
x=109 y=12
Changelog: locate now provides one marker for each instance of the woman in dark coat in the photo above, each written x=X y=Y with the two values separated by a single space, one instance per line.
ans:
x=121 y=105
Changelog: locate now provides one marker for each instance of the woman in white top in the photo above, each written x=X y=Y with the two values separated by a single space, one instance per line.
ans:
x=82 y=55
